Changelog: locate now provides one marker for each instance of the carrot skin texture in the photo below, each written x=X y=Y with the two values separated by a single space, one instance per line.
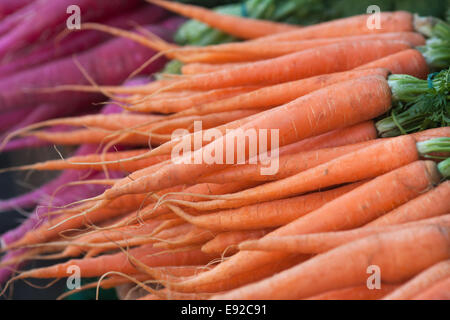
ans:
x=431 y=204
x=289 y=165
x=356 y=293
x=279 y=94
x=245 y=28
x=201 y=60
x=398 y=21
x=377 y=201
x=440 y=291
x=294 y=126
x=378 y=158
x=400 y=255
x=268 y=214
x=409 y=61
x=295 y=66
x=322 y=242
x=421 y=282
x=226 y=242
x=119 y=262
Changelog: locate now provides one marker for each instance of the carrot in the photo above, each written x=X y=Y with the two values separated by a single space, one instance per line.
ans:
x=400 y=255
x=172 y=105
x=165 y=294
x=440 y=291
x=431 y=204
x=227 y=242
x=90 y=162
x=399 y=21
x=91 y=136
x=432 y=134
x=356 y=293
x=244 y=28
x=266 y=214
x=322 y=242
x=113 y=236
x=316 y=61
x=107 y=283
x=289 y=165
x=140 y=136
x=105 y=121
x=374 y=160
x=168 y=234
x=195 y=236
x=303 y=118
x=93 y=267
x=276 y=95
x=352 y=134
x=48 y=231
x=379 y=195
x=411 y=60
x=204 y=188
x=422 y=281
x=196 y=68
x=251 y=50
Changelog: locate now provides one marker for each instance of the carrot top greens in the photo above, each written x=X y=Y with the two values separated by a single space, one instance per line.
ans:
x=420 y=104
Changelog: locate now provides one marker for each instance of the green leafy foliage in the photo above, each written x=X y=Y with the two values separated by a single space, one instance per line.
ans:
x=303 y=12
x=428 y=110
x=292 y=11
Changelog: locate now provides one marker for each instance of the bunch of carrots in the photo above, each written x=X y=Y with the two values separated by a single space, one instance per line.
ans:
x=363 y=161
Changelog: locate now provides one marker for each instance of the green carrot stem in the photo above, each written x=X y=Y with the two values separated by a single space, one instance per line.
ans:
x=437 y=53
x=406 y=88
x=437 y=145
x=444 y=168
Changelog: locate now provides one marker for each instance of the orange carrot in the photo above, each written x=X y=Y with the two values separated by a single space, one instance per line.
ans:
x=92 y=136
x=399 y=255
x=205 y=188
x=94 y=267
x=408 y=61
x=48 y=231
x=303 y=118
x=266 y=214
x=227 y=242
x=440 y=291
x=422 y=281
x=252 y=50
x=356 y=293
x=298 y=65
x=369 y=162
x=90 y=162
x=322 y=242
x=276 y=95
x=195 y=236
x=154 y=237
x=431 y=204
x=399 y=21
x=172 y=105
x=289 y=165
x=197 y=68
x=244 y=28
x=109 y=236
x=379 y=195
x=140 y=136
